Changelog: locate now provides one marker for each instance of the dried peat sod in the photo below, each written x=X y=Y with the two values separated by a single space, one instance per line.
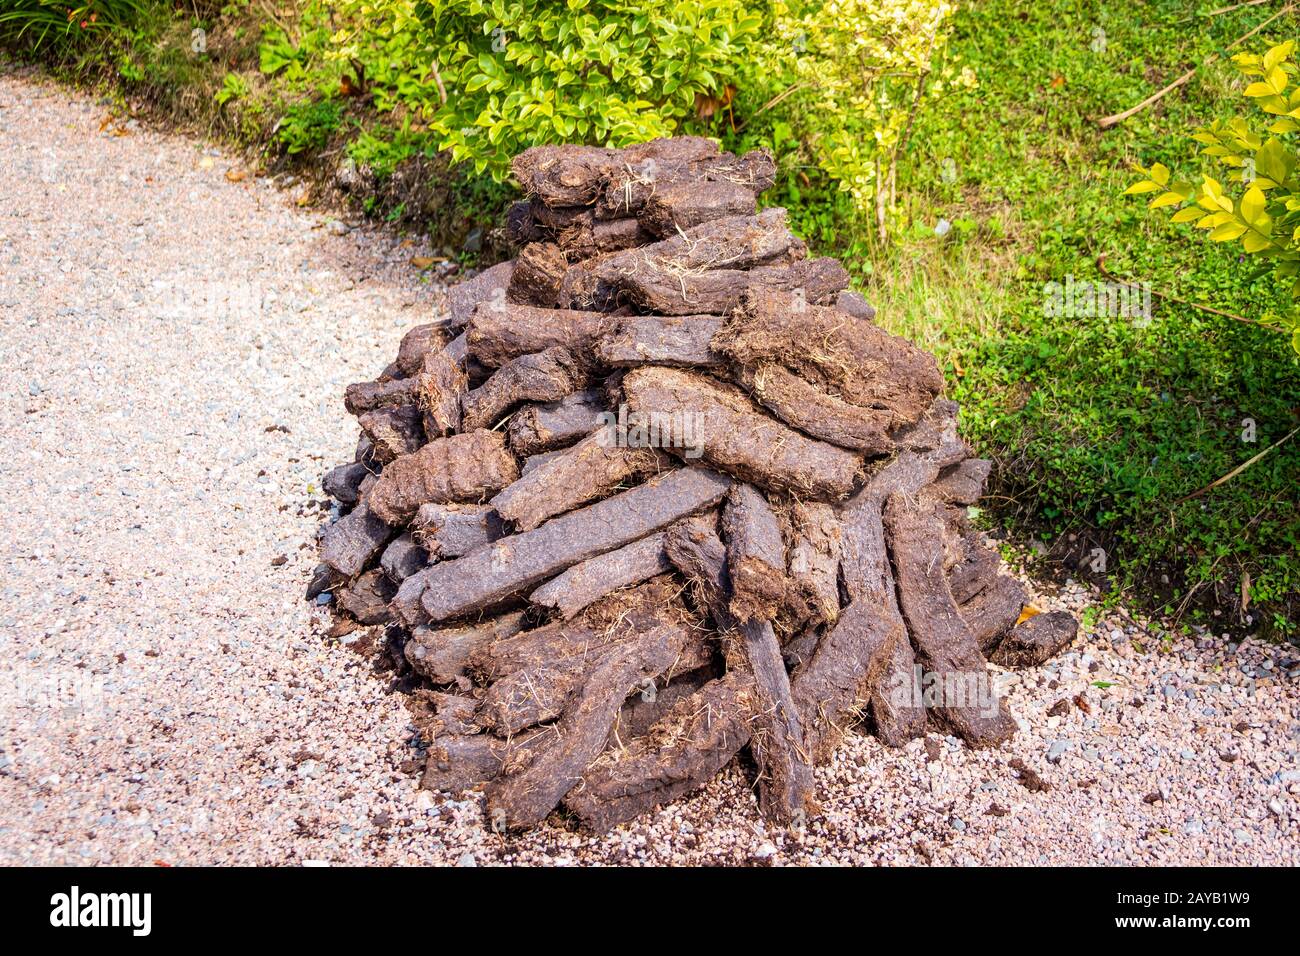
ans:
x=658 y=494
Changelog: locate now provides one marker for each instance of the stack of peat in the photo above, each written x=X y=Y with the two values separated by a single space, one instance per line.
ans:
x=659 y=491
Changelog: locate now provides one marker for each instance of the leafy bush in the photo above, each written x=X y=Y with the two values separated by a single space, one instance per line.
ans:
x=303 y=60
x=831 y=88
x=492 y=78
x=843 y=82
x=1261 y=160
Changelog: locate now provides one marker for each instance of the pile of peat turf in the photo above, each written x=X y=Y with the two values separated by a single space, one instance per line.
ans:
x=659 y=493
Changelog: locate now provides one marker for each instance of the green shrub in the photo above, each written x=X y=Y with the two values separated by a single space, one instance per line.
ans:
x=303 y=60
x=838 y=85
x=831 y=88
x=1261 y=160
x=492 y=78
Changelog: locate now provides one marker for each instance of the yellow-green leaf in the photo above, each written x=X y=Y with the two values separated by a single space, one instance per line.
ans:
x=1271 y=160
x=1146 y=186
x=1165 y=199
x=1227 y=232
x=1252 y=205
x=1279 y=53
x=1254 y=242
x=1187 y=215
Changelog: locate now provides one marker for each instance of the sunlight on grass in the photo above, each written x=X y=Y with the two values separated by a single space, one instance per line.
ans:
x=943 y=297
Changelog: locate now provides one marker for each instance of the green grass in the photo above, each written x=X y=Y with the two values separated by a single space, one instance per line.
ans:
x=64 y=23
x=1101 y=426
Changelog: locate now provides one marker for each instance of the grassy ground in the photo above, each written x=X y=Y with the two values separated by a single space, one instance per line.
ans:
x=1102 y=425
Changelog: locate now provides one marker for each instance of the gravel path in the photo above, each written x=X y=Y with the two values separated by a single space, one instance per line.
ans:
x=176 y=340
